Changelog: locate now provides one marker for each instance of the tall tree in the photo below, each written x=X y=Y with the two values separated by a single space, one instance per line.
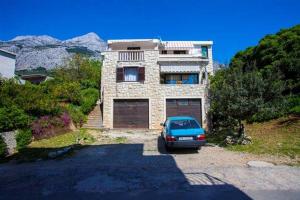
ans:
x=258 y=82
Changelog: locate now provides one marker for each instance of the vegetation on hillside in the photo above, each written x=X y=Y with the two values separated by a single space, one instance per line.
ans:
x=278 y=137
x=46 y=108
x=261 y=83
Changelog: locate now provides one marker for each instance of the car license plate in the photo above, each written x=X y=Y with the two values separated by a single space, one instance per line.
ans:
x=185 y=138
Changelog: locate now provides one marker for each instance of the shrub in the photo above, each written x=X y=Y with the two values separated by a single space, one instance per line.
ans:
x=67 y=91
x=77 y=115
x=2 y=147
x=85 y=84
x=29 y=97
x=34 y=100
x=9 y=90
x=295 y=110
x=89 y=99
x=13 y=118
x=294 y=105
x=23 y=138
x=66 y=119
x=48 y=126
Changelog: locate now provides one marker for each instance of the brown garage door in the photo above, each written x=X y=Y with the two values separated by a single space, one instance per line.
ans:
x=184 y=107
x=131 y=113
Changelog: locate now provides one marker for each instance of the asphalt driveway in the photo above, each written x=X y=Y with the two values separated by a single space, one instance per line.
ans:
x=142 y=169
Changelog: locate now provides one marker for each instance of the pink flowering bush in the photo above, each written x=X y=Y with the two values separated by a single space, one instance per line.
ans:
x=48 y=126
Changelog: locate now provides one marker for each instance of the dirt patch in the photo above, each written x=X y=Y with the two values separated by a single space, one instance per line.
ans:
x=209 y=155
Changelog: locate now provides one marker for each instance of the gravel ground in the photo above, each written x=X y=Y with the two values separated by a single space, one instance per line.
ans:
x=142 y=168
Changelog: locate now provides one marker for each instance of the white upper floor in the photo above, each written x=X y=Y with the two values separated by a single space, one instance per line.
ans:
x=173 y=62
x=133 y=49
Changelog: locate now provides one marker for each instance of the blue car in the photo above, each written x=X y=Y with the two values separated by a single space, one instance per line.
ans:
x=183 y=132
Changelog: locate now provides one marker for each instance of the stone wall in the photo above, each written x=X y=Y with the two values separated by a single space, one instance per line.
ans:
x=151 y=88
x=10 y=140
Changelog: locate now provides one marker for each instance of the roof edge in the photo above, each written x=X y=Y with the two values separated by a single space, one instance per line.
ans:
x=207 y=42
x=133 y=40
x=8 y=52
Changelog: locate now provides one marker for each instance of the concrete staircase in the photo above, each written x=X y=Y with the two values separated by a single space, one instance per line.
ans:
x=94 y=119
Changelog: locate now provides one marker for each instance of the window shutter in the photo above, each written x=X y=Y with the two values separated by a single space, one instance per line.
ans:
x=120 y=74
x=141 y=74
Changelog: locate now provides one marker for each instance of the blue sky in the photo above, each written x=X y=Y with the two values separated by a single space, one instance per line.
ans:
x=233 y=25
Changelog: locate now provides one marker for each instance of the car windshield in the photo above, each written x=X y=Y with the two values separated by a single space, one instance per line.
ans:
x=183 y=124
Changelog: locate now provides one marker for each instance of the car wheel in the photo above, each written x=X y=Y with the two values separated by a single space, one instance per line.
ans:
x=168 y=148
x=197 y=148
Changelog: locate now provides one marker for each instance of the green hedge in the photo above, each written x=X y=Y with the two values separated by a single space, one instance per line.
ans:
x=34 y=100
x=13 y=118
x=294 y=104
x=89 y=99
x=76 y=114
x=295 y=110
x=23 y=138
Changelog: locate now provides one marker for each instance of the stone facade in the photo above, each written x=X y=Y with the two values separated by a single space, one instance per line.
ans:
x=150 y=89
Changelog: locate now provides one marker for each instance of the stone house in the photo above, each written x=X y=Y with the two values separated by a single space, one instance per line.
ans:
x=146 y=80
x=7 y=64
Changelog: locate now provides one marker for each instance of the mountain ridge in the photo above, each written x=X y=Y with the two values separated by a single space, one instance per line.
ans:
x=34 y=51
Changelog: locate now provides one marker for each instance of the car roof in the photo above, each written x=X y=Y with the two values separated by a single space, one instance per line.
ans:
x=181 y=118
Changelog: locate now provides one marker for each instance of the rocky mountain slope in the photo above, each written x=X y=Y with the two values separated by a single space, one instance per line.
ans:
x=48 y=52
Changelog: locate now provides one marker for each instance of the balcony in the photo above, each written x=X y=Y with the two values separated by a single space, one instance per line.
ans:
x=181 y=57
x=131 y=56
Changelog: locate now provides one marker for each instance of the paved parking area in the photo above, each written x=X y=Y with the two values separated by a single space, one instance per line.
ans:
x=142 y=169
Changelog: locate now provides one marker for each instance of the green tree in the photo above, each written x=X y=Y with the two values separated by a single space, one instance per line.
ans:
x=80 y=69
x=235 y=96
x=261 y=83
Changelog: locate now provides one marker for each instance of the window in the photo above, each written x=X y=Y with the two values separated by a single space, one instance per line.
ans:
x=164 y=52
x=179 y=78
x=183 y=124
x=179 y=52
x=131 y=74
x=173 y=78
x=204 y=51
x=133 y=48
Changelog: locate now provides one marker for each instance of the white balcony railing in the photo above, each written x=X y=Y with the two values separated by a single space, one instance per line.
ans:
x=131 y=55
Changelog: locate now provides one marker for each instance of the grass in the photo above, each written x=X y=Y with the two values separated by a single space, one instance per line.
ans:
x=120 y=140
x=39 y=149
x=63 y=140
x=276 y=137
